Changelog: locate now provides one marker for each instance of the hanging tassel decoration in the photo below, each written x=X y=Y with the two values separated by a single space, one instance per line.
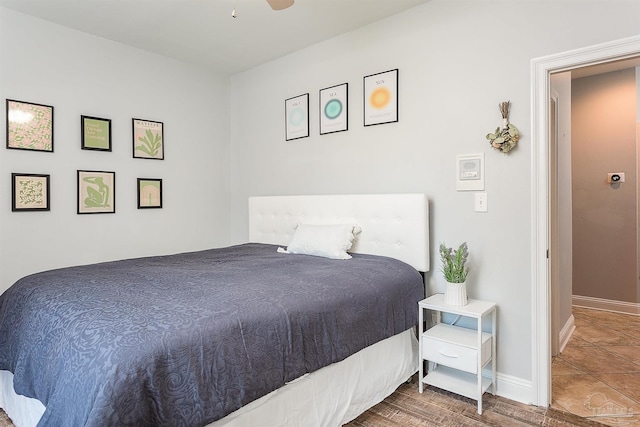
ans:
x=504 y=139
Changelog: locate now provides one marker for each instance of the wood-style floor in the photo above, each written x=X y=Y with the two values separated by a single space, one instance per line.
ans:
x=406 y=407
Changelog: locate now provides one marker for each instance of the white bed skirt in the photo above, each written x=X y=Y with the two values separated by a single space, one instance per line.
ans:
x=331 y=396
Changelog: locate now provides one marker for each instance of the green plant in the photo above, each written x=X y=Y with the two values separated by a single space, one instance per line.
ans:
x=454 y=263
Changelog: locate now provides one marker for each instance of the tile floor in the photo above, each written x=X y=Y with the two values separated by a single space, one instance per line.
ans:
x=597 y=376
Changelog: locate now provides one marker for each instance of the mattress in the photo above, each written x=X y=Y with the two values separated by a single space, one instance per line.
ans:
x=190 y=338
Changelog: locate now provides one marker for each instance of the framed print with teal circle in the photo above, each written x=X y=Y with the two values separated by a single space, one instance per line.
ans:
x=296 y=111
x=333 y=109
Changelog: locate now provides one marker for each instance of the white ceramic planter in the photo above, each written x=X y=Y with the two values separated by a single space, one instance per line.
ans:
x=455 y=294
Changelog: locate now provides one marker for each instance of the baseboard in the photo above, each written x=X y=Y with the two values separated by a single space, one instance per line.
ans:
x=606 y=304
x=566 y=332
x=511 y=387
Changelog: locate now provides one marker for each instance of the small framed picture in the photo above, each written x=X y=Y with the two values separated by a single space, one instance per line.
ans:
x=148 y=139
x=149 y=193
x=29 y=192
x=96 y=192
x=333 y=109
x=96 y=133
x=381 y=98
x=296 y=112
x=29 y=126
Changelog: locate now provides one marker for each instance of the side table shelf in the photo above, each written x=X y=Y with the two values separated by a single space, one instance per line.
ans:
x=456 y=354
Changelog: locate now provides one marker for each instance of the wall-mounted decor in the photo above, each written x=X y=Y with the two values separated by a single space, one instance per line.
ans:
x=296 y=112
x=96 y=133
x=96 y=192
x=148 y=139
x=149 y=193
x=504 y=139
x=333 y=109
x=29 y=192
x=470 y=172
x=29 y=126
x=381 y=98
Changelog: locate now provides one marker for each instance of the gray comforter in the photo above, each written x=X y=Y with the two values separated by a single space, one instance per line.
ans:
x=183 y=340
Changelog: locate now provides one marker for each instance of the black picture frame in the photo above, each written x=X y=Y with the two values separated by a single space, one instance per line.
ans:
x=148 y=139
x=334 y=109
x=96 y=192
x=149 y=193
x=29 y=126
x=95 y=133
x=380 y=96
x=30 y=192
x=296 y=117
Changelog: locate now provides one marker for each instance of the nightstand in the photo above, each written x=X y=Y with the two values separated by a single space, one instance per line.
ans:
x=456 y=354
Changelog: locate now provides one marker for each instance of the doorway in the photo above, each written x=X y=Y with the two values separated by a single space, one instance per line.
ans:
x=542 y=295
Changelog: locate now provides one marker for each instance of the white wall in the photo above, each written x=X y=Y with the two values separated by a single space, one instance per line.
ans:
x=457 y=61
x=81 y=74
x=561 y=84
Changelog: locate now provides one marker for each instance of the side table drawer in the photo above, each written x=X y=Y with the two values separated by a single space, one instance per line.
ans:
x=449 y=354
x=455 y=347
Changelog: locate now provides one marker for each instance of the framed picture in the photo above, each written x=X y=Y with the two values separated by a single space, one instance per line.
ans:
x=333 y=109
x=96 y=133
x=381 y=98
x=29 y=192
x=29 y=126
x=148 y=139
x=149 y=193
x=296 y=112
x=96 y=192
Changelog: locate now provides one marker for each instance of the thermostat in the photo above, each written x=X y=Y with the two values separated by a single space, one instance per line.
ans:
x=470 y=172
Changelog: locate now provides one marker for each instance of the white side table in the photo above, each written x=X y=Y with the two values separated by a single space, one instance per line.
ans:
x=456 y=354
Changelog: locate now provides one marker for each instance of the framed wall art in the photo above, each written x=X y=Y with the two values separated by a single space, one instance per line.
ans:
x=381 y=98
x=29 y=192
x=96 y=133
x=29 y=126
x=96 y=192
x=296 y=112
x=333 y=109
x=149 y=193
x=148 y=139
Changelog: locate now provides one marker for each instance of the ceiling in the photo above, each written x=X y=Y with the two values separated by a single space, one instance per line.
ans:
x=203 y=32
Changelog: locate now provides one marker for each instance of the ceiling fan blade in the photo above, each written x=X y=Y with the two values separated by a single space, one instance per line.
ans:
x=280 y=4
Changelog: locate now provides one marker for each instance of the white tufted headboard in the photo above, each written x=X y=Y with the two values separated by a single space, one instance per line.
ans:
x=393 y=225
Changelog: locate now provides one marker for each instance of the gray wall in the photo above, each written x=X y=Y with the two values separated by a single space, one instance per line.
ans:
x=604 y=216
x=81 y=74
x=457 y=61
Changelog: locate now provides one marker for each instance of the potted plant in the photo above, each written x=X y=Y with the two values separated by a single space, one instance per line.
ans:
x=455 y=272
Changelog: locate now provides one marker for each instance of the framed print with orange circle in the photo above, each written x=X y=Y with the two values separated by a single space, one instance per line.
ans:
x=333 y=109
x=381 y=98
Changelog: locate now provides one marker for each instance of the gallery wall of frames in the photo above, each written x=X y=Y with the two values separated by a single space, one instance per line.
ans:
x=380 y=98
x=30 y=127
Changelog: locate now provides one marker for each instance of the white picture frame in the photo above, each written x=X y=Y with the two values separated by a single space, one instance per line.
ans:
x=470 y=172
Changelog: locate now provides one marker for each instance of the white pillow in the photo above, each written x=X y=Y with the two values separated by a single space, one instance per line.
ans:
x=329 y=241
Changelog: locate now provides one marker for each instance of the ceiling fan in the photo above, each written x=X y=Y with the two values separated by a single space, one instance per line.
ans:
x=280 y=4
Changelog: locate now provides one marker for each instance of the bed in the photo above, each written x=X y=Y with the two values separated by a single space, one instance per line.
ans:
x=332 y=353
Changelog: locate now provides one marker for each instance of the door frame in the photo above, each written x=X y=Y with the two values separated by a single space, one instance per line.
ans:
x=541 y=68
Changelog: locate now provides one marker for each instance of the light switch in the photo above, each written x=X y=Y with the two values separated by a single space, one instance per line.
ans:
x=481 y=202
